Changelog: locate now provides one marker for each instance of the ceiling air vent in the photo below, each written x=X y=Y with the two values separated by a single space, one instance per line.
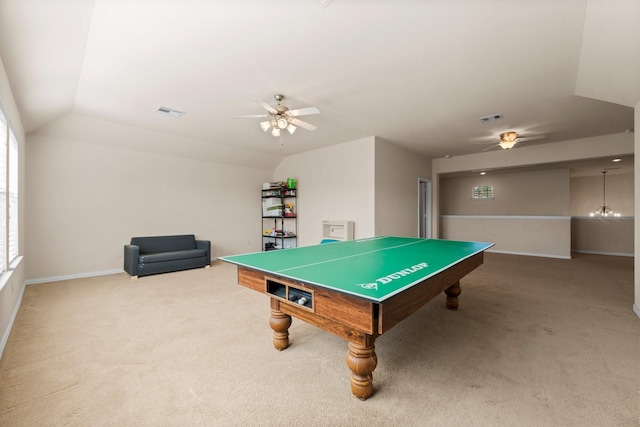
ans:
x=170 y=112
x=491 y=118
x=324 y=3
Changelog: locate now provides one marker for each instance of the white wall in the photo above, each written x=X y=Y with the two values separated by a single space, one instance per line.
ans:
x=85 y=200
x=397 y=173
x=336 y=182
x=12 y=282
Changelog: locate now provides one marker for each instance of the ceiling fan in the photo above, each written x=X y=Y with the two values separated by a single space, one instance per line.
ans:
x=510 y=138
x=281 y=117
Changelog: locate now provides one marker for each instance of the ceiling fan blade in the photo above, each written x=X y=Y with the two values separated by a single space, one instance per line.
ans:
x=300 y=123
x=489 y=148
x=303 y=111
x=266 y=106
x=529 y=138
x=250 y=116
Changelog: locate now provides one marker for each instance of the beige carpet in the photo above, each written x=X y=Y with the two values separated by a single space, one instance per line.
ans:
x=536 y=342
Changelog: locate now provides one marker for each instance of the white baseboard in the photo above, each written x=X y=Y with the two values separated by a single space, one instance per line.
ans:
x=14 y=313
x=636 y=309
x=603 y=253
x=72 y=276
x=529 y=254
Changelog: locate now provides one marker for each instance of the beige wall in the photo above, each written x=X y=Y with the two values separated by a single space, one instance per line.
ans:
x=586 y=194
x=605 y=236
x=85 y=200
x=397 y=173
x=528 y=215
x=547 y=236
x=12 y=281
x=334 y=183
x=636 y=244
x=586 y=148
x=552 y=193
x=519 y=193
x=368 y=181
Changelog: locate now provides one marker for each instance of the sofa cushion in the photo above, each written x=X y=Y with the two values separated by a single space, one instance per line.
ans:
x=172 y=255
x=150 y=245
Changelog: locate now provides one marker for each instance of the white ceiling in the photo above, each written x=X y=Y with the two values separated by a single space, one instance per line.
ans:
x=419 y=74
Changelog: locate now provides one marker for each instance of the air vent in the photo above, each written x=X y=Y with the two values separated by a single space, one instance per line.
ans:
x=170 y=112
x=324 y=3
x=491 y=118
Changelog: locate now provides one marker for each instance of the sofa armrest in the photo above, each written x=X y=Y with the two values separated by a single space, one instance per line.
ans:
x=206 y=245
x=131 y=254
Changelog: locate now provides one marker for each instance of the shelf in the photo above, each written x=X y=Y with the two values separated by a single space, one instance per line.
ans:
x=278 y=215
x=272 y=194
x=290 y=294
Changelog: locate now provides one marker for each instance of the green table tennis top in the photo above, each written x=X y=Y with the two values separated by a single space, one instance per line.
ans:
x=375 y=268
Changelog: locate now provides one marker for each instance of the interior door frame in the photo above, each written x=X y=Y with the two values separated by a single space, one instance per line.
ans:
x=424 y=208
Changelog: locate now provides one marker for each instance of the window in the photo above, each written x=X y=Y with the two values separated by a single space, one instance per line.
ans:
x=482 y=192
x=4 y=132
x=13 y=197
x=8 y=192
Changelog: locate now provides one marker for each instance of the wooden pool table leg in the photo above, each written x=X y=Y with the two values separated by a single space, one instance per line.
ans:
x=280 y=323
x=453 y=292
x=362 y=360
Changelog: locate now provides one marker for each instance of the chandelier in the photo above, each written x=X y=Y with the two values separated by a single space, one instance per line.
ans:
x=604 y=210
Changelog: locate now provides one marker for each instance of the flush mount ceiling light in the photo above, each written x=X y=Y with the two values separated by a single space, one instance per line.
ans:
x=604 y=210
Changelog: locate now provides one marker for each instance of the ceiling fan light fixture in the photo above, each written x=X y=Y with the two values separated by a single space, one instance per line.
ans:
x=282 y=123
x=508 y=137
x=280 y=117
x=506 y=145
x=265 y=125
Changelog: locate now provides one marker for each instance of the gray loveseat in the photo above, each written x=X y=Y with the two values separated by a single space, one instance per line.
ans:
x=162 y=254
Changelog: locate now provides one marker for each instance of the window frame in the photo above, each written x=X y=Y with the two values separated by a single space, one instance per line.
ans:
x=9 y=192
x=482 y=192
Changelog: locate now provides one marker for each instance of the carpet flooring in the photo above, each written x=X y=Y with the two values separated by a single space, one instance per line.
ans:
x=535 y=342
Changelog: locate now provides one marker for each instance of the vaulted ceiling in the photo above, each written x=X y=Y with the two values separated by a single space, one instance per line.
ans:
x=419 y=74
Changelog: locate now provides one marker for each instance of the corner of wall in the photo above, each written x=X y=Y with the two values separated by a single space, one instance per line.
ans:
x=636 y=245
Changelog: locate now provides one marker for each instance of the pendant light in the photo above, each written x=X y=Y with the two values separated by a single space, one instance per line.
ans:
x=604 y=210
